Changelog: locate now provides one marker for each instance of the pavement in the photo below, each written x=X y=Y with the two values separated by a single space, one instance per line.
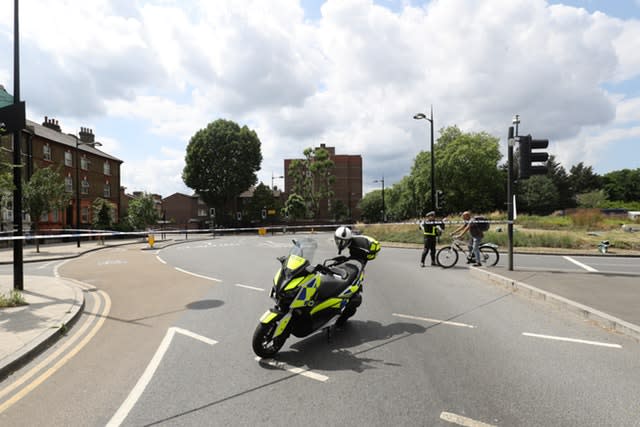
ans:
x=55 y=303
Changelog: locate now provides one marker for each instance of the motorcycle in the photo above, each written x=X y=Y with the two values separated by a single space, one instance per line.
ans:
x=308 y=296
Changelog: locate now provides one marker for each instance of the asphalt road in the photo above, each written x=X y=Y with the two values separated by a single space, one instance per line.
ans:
x=428 y=347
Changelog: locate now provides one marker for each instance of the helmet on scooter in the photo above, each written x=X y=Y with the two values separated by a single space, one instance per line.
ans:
x=342 y=238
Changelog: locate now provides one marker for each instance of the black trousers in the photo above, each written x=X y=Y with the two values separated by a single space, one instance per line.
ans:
x=429 y=246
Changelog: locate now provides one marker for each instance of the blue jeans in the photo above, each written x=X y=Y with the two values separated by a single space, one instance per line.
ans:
x=474 y=248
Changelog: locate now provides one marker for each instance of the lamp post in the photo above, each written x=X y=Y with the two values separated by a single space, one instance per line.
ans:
x=78 y=144
x=274 y=177
x=422 y=116
x=384 y=216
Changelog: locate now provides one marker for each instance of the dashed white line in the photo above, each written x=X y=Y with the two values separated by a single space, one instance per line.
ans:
x=462 y=421
x=426 y=319
x=299 y=371
x=574 y=340
x=581 y=265
x=142 y=383
x=198 y=275
x=249 y=287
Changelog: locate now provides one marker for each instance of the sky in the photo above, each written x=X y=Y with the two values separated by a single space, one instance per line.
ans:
x=146 y=75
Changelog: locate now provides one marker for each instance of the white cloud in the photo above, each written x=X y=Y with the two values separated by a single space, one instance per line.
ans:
x=351 y=79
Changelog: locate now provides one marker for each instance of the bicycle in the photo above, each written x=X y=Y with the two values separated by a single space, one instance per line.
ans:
x=447 y=256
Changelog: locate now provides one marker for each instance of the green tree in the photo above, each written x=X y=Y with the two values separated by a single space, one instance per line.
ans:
x=592 y=199
x=295 y=207
x=466 y=170
x=221 y=161
x=262 y=199
x=537 y=195
x=371 y=206
x=622 y=185
x=43 y=193
x=142 y=212
x=565 y=197
x=313 y=178
x=102 y=218
x=582 y=179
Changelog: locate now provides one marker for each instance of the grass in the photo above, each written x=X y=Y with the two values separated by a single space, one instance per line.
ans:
x=12 y=299
x=582 y=230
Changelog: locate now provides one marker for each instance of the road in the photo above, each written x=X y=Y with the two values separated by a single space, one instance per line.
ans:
x=427 y=347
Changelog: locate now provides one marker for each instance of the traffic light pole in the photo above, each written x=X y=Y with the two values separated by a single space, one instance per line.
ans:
x=510 y=142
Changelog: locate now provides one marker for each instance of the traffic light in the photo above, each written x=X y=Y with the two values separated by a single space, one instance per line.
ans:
x=527 y=156
x=440 y=200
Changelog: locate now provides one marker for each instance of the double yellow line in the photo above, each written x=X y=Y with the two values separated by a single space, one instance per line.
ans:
x=68 y=350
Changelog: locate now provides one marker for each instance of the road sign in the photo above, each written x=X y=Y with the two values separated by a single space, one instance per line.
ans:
x=12 y=118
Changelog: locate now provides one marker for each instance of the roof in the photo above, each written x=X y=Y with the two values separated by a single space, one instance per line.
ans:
x=5 y=97
x=65 y=139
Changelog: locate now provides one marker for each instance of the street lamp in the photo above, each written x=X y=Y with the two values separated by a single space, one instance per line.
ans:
x=78 y=144
x=384 y=216
x=422 y=116
x=274 y=177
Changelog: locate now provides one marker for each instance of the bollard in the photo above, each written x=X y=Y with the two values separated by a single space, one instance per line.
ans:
x=151 y=239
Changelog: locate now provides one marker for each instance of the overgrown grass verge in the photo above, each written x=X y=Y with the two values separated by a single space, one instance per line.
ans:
x=13 y=299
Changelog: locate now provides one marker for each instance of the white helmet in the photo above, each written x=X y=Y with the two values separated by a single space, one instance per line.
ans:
x=342 y=238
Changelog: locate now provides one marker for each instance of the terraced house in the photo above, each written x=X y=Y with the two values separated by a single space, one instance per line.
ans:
x=88 y=173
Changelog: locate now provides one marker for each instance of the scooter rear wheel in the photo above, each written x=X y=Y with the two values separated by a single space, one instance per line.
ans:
x=264 y=345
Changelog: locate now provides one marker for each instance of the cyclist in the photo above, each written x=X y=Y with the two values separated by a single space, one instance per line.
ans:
x=470 y=225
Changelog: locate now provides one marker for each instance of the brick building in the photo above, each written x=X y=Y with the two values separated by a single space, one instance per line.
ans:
x=185 y=212
x=347 y=187
x=87 y=171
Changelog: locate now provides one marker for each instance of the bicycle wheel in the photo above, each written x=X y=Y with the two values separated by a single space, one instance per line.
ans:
x=489 y=256
x=447 y=257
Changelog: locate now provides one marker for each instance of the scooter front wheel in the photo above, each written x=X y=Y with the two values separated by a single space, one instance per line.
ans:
x=264 y=345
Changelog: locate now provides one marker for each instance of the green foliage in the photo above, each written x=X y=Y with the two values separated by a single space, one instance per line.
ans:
x=13 y=299
x=592 y=199
x=142 y=212
x=623 y=185
x=371 y=206
x=537 y=195
x=295 y=207
x=221 y=161
x=102 y=218
x=466 y=169
x=313 y=178
x=262 y=199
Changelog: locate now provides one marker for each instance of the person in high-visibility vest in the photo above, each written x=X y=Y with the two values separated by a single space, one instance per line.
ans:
x=431 y=229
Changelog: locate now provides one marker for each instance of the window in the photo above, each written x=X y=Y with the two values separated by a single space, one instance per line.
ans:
x=107 y=167
x=85 y=186
x=68 y=184
x=84 y=163
x=56 y=216
x=106 y=192
x=46 y=152
x=202 y=212
x=68 y=158
x=7 y=212
x=84 y=216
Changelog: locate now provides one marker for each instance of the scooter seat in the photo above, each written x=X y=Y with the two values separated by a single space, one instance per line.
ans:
x=332 y=284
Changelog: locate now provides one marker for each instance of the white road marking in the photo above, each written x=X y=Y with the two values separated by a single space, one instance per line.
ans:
x=462 y=421
x=160 y=259
x=46 y=265
x=426 y=319
x=142 y=383
x=299 y=371
x=249 y=287
x=579 y=264
x=198 y=275
x=551 y=337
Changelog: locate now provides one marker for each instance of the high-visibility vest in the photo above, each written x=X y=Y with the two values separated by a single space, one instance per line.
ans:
x=433 y=229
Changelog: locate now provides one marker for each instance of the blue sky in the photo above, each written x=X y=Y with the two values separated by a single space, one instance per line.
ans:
x=145 y=75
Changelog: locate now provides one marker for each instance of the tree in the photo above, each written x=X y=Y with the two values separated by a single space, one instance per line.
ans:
x=622 y=185
x=582 y=179
x=537 y=195
x=371 y=206
x=142 y=212
x=43 y=193
x=313 y=178
x=262 y=199
x=221 y=161
x=592 y=199
x=565 y=198
x=295 y=207
x=466 y=170
x=102 y=218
